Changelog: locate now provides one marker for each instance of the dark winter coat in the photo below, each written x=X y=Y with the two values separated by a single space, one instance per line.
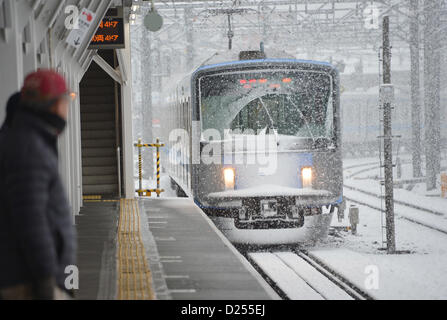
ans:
x=11 y=108
x=37 y=237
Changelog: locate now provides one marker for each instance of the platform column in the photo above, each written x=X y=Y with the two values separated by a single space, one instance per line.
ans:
x=124 y=57
x=10 y=54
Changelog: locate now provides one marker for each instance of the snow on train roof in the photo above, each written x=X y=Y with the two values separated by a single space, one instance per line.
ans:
x=261 y=60
x=228 y=58
x=232 y=58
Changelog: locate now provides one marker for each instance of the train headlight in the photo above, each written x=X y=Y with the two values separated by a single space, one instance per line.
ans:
x=229 y=177
x=306 y=177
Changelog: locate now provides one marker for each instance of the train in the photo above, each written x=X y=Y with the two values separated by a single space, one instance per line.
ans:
x=256 y=142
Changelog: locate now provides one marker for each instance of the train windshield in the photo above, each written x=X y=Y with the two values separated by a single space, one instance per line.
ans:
x=292 y=103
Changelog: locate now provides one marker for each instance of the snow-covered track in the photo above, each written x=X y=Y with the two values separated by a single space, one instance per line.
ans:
x=416 y=220
x=297 y=275
x=360 y=165
x=341 y=281
x=360 y=169
x=429 y=218
x=413 y=206
x=363 y=168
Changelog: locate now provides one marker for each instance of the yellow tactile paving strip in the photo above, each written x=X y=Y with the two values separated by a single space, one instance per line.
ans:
x=134 y=276
x=92 y=197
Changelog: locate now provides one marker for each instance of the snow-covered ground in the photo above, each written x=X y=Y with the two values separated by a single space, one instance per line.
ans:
x=410 y=193
x=362 y=183
x=296 y=278
x=419 y=274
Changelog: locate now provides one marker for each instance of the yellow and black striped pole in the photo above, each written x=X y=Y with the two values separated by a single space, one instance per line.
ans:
x=140 y=169
x=158 y=167
x=140 y=145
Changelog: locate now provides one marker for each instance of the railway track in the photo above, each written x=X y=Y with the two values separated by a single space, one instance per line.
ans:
x=413 y=220
x=365 y=167
x=371 y=200
x=298 y=275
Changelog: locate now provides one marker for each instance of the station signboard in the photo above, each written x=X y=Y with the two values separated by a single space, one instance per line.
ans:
x=77 y=35
x=110 y=33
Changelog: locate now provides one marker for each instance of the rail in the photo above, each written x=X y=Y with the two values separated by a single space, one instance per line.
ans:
x=307 y=273
x=404 y=204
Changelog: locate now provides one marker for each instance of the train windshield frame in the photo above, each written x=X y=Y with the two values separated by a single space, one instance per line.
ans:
x=289 y=102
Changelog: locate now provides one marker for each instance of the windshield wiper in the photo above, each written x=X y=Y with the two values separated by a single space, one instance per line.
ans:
x=302 y=117
x=271 y=121
x=267 y=111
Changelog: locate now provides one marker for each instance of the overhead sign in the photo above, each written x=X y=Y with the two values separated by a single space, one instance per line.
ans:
x=110 y=34
x=85 y=20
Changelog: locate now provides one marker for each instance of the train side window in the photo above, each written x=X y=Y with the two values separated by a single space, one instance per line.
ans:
x=189 y=117
x=185 y=115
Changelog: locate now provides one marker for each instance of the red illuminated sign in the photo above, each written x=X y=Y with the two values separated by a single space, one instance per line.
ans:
x=110 y=34
x=248 y=84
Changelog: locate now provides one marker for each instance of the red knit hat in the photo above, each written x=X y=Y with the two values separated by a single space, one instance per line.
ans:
x=43 y=86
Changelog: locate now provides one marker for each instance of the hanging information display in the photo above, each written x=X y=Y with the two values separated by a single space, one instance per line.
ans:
x=110 y=34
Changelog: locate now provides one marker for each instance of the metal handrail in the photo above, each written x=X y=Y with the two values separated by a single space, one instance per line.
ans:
x=118 y=155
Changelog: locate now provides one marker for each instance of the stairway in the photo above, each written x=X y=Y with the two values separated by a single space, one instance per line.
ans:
x=98 y=131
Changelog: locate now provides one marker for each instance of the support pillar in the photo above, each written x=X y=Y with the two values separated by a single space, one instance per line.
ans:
x=432 y=92
x=10 y=51
x=415 y=90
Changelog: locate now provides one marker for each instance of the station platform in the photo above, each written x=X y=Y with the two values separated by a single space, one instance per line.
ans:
x=160 y=249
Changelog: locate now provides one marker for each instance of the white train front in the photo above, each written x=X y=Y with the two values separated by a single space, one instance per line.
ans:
x=256 y=142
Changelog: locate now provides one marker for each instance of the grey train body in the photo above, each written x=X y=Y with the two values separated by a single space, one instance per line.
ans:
x=249 y=204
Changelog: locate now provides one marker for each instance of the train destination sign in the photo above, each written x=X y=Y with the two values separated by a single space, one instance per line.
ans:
x=110 y=34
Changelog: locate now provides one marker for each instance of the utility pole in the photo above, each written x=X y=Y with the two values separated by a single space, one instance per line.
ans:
x=432 y=92
x=415 y=89
x=387 y=93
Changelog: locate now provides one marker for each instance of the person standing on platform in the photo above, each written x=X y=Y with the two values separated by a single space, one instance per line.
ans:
x=37 y=236
x=11 y=108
